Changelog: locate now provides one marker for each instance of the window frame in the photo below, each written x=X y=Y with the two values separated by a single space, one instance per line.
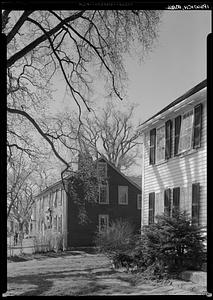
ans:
x=107 y=192
x=163 y=149
x=182 y=129
x=120 y=187
x=106 y=217
x=105 y=171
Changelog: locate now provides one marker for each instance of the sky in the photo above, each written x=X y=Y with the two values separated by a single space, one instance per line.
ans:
x=176 y=63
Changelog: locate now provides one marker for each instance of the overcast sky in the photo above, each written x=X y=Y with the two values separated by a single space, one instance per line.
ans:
x=176 y=64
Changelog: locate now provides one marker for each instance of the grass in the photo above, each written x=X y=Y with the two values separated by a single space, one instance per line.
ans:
x=71 y=273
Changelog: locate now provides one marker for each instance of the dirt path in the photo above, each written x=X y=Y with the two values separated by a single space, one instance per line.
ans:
x=77 y=273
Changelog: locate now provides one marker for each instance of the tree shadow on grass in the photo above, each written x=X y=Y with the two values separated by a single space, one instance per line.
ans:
x=44 y=282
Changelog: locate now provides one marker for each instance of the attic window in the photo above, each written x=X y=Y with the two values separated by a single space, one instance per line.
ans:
x=102 y=170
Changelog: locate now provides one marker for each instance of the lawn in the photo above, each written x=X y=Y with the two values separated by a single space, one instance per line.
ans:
x=75 y=273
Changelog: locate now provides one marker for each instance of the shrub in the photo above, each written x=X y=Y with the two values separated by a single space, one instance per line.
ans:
x=116 y=242
x=170 y=245
x=48 y=242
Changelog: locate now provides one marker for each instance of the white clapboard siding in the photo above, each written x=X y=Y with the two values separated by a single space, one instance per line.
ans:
x=181 y=171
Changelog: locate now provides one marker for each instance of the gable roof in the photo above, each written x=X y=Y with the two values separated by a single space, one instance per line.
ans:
x=128 y=178
x=136 y=179
x=190 y=92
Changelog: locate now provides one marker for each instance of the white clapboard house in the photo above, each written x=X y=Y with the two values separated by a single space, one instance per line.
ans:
x=174 y=169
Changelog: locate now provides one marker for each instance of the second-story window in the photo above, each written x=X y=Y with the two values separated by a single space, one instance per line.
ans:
x=122 y=195
x=103 y=194
x=185 y=141
x=102 y=170
x=188 y=130
x=160 y=144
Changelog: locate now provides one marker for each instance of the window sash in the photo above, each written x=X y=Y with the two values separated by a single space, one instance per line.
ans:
x=186 y=131
x=160 y=143
x=102 y=170
x=103 y=194
x=123 y=195
x=103 y=222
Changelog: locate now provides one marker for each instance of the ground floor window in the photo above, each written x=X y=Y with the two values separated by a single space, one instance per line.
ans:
x=103 y=222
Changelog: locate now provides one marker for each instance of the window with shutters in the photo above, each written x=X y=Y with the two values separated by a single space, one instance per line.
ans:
x=160 y=144
x=176 y=200
x=185 y=142
x=152 y=146
x=104 y=193
x=195 y=203
x=139 y=201
x=151 y=208
x=188 y=130
x=122 y=195
x=103 y=221
x=167 y=202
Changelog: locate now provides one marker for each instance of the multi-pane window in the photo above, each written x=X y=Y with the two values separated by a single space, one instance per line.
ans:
x=139 y=201
x=185 y=141
x=187 y=135
x=103 y=222
x=160 y=143
x=103 y=194
x=102 y=170
x=123 y=195
x=151 y=208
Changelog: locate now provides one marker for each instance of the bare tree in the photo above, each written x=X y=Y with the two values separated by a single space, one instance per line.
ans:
x=113 y=134
x=81 y=46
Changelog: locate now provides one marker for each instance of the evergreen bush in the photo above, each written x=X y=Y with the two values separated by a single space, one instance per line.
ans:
x=170 y=245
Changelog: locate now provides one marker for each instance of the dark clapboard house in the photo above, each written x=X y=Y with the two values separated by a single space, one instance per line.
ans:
x=174 y=168
x=118 y=197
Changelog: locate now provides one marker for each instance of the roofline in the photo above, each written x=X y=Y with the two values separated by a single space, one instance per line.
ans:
x=189 y=93
x=102 y=157
x=116 y=169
